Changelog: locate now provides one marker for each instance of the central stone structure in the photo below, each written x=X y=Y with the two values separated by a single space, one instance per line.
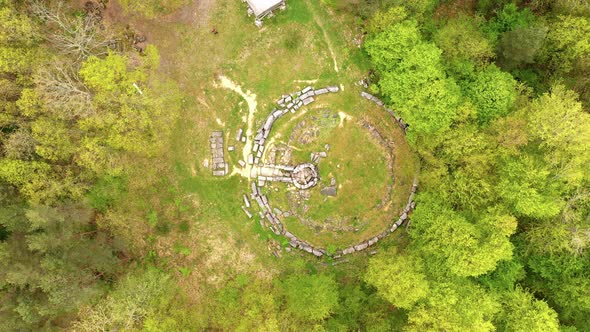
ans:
x=305 y=176
x=302 y=176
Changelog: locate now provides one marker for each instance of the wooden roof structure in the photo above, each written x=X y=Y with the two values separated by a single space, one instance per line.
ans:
x=262 y=8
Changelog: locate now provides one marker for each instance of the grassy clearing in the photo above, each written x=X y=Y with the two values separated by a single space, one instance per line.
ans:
x=356 y=161
x=177 y=190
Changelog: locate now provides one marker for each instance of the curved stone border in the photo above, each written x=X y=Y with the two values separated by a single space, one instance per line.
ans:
x=291 y=103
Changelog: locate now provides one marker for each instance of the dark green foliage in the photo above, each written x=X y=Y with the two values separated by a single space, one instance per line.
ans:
x=493 y=92
x=505 y=276
x=106 y=192
x=508 y=19
x=522 y=312
x=564 y=281
x=520 y=46
x=53 y=262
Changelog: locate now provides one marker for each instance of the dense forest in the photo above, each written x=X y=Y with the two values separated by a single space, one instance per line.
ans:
x=497 y=98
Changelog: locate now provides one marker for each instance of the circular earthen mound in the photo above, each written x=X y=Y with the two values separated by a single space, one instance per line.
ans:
x=304 y=180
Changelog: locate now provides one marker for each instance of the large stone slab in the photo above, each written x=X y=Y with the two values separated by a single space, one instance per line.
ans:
x=328 y=191
x=308 y=100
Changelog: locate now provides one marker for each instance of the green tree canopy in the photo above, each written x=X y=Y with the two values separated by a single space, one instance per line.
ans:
x=52 y=262
x=461 y=38
x=398 y=278
x=460 y=306
x=521 y=312
x=413 y=78
x=450 y=242
x=493 y=93
x=562 y=129
x=311 y=297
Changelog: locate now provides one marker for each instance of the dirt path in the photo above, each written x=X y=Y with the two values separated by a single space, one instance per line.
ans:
x=250 y=99
x=330 y=48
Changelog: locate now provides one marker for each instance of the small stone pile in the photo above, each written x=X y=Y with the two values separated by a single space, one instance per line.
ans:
x=220 y=167
x=266 y=211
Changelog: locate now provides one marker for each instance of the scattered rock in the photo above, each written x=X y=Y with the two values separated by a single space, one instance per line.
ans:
x=328 y=191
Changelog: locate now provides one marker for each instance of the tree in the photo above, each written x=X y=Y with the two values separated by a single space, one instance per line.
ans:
x=60 y=92
x=521 y=312
x=243 y=304
x=413 y=79
x=54 y=142
x=508 y=19
x=383 y=19
x=311 y=297
x=52 y=262
x=135 y=297
x=521 y=46
x=18 y=35
x=569 y=41
x=76 y=36
x=454 y=306
x=563 y=280
x=558 y=123
x=461 y=38
x=469 y=160
x=493 y=92
x=527 y=187
x=449 y=242
x=19 y=145
x=398 y=278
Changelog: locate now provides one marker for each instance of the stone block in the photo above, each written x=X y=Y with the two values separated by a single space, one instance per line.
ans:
x=348 y=251
x=247 y=212
x=361 y=246
x=366 y=95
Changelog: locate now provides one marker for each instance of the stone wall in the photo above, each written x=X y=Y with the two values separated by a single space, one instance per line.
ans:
x=291 y=103
x=220 y=167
